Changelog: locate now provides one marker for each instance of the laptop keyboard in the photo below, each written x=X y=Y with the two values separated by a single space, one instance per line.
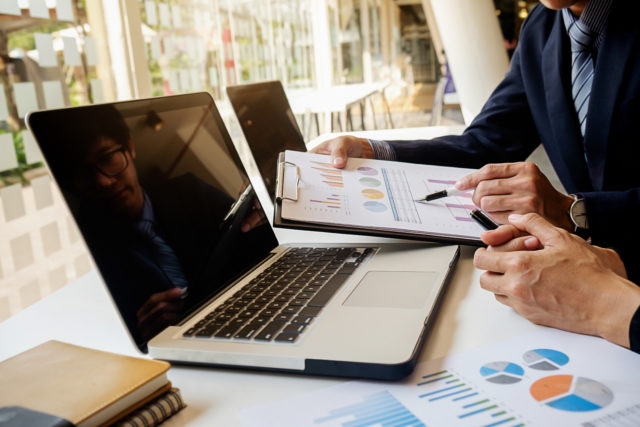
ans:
x=284 y=299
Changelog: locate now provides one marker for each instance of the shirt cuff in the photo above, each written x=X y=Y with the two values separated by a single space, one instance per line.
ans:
x=634 y=332
x=382 y=150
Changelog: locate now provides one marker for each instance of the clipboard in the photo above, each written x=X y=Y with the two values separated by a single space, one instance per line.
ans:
x=293 y=188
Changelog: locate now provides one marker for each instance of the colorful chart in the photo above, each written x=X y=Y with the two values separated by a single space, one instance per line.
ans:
x=375 y=206
x=453 y=395
x=377 y=409
x=333 y=201
x=370 y=182
x=364 y=170
x=571 y=393
x=330 y=176
x=370 y=193
x=544 y=359
x=502 y=372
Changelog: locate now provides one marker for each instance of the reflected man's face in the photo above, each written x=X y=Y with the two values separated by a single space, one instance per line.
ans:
x=108 y=179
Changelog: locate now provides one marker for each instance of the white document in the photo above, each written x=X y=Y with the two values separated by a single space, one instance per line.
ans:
x=547 y=378
x=176 y=11
x=96 y=91
x=213 y=76
x=9 y=7
x=156 y=50
x=31 y=149
x=25 y=98
x=185 y=81
x=91 y=50
x=12 y=202
x=196 y=81
x=169 y=48
x=71 y=53
x=38 y=9
x=378 y=195
x=8 y=158
x=165 y=15
x=152 y=12
x=174 y=84
x=64 y=10
x=42 y=191
x=4 y=110
x=53 y=97
x=44 y=45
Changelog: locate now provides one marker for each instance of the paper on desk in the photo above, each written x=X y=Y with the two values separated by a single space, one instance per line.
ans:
x=64 y=10
x=38 y=9
x=70 y=52
x=379 y=195
x=152 y=12
x=546 y=378
x=44 y=45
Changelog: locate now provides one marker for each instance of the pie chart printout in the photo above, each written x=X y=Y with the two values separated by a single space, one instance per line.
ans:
x=370 y=193
x=571 y=393
x=375 y=206
x=544 y=359
x=370 y=182
x=502 y=372
x=365 y=170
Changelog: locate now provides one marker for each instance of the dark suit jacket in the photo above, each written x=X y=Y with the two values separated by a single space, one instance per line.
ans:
x=533 y=104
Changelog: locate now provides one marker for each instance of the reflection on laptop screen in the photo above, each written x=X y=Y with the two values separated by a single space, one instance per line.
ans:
x=268 y=124
x=161 y=199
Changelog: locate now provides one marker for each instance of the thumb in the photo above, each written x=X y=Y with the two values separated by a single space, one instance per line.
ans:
x=537 y=226
x=339 y=155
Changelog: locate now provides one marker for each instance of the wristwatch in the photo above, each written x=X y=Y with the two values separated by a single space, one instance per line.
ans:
x=578 y=215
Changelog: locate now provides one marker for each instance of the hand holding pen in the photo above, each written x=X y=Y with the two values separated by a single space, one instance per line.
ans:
x=477 y=214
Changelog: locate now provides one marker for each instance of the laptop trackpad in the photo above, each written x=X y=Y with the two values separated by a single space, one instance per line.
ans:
x=393 y=289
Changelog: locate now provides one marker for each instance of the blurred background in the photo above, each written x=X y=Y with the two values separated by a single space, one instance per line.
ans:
x=403 y=63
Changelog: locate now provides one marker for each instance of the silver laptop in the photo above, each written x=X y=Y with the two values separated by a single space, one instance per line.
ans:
x=268 y=124
x=196 y=272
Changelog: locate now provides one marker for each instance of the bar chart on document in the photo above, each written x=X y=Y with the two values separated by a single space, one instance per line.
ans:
x=380 y=194
x=541 y=379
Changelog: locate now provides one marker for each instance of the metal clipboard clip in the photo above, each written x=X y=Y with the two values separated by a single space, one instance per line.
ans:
x=281 y=178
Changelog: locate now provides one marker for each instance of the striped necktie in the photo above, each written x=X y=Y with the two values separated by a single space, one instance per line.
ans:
x=163 y=255
x=582 y=68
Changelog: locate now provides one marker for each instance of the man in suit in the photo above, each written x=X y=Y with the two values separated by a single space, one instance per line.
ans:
x=574 y=86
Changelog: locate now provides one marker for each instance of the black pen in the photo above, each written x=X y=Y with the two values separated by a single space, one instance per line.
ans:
x=483 y=219
x=451 y=191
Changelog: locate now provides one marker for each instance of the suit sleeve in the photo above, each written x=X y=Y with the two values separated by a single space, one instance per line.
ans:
x=611 y=215
x=504 y=131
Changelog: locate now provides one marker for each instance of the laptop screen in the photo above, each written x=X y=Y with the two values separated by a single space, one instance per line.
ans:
x=268 y=124
x=162 y=200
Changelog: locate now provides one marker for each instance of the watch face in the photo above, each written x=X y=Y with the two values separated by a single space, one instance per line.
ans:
x=578 y=214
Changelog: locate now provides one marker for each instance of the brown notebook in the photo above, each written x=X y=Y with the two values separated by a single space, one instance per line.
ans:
x=82 y=385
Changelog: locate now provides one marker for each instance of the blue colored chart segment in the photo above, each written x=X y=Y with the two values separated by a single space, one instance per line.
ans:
x=544 y=359
x=379 y=409
x=375 y=206
x=502 y=372
x=571 y=393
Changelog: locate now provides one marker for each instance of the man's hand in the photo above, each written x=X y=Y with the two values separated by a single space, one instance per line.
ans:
x=507 y=238
x=503 y=189
x=159 y=311
x=567 y=284
x=342 y=147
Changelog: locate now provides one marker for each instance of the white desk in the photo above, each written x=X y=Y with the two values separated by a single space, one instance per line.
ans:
x=81 y=313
